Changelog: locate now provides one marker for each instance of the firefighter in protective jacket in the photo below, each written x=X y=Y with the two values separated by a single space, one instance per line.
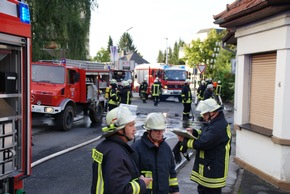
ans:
x=155 y=158
x=115 y=169
x=113 y=100
x=213 y=147
x=186 y=97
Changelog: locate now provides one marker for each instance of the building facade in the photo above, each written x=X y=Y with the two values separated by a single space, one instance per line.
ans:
x=261 y=31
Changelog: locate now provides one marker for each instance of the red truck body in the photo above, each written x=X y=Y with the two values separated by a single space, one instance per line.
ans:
x=15 y=115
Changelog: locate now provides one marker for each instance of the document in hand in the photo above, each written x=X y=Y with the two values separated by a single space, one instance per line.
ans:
x=183 y=133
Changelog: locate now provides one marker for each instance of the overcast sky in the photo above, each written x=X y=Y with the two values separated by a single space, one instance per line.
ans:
x=150 y=22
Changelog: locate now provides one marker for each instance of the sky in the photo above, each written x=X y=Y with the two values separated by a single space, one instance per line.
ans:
x=152 y=24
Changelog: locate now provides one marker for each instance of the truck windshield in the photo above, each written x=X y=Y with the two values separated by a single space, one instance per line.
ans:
x=122 y=75
x=175 y=75
x=50 y=74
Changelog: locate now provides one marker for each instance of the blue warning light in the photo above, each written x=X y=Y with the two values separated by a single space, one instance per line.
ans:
x=24 y=13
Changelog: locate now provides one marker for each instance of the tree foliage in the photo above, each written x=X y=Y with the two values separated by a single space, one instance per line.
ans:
x=103 y=55
x=110 y=43
x=126 y=43
x=60 y=27
x=217 y=60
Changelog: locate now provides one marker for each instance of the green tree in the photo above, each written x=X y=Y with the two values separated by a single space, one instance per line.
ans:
x=217 y=60
x=126 y=43
x=103 y=55
x=110 y=43
x=61 y=28
x=161 y=57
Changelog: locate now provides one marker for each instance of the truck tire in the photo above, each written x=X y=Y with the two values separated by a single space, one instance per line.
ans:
x=64 y=120
x=97 y=114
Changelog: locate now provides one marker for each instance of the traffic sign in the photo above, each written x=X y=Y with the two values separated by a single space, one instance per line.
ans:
x=201 y=68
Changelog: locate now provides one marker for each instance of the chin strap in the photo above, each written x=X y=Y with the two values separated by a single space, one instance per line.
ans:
x=124 y=135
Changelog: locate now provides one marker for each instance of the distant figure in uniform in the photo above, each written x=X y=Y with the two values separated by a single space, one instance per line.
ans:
x=186 y=97
x=113 y=99
x=143 y=90
x=200 y=91
x=125 y=93
x=208 y=93
x=156 y=91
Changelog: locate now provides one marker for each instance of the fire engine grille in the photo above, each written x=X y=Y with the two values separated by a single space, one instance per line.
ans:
x=174 y=86
x=44 y=99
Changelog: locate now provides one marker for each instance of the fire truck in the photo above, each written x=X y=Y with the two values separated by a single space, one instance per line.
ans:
x=15 y=116
x=172 y=78
x=68 y=88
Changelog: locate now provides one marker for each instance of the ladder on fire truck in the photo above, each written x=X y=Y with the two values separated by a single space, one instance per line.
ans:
x=88 y=65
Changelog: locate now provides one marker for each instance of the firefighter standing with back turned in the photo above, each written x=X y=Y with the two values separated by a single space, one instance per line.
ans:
x=143 y=90
x=115 y=169
x=156 y=91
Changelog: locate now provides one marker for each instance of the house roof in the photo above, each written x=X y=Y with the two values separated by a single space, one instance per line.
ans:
x=242 y=12
x=135 y=57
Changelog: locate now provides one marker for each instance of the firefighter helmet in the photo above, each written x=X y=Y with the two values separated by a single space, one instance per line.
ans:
x=113 y=81
x=209 y=86
x=155 y=121
x=208 y=105
x=129 y=81
x=117 y=119
x=125 y=83
x=187 y=81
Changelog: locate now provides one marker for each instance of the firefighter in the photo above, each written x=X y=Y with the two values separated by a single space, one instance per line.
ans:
x=209 y=92
x=186 y=97
x=125 y=93
x=200 y=91
x=114 y=166
x=113 y=99
x=156 y=91
x=155 y=158
x=143 y=90
x=213 y=145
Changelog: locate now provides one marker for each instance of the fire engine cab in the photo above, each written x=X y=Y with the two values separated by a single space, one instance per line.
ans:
x=15 y=115
x=172 y=78
x=65 y=89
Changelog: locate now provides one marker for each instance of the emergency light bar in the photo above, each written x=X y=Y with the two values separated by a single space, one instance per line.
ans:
x=24 y=14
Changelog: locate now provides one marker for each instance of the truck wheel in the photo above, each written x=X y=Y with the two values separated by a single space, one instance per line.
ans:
x=65 y=119
x=97 y=114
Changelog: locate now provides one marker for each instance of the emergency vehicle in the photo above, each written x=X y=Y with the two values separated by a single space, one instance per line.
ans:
x=172 y=78
x=15 y=115
x=64 y=89
x=123 y=71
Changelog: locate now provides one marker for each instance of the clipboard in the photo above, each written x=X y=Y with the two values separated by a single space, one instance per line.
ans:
x=183 y=133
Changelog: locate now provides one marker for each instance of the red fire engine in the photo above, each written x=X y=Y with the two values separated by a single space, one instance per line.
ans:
x=15 y=116
x=172 y=78
x=64 y=89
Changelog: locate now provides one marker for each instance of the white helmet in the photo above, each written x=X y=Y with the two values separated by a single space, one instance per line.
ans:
x=125 y=83
x=219 y=82
x=129 y=81
x=208 y=105
x=155 y=121
x=187 y=81
x=209 y=86
x=117 y=119
x=156 y=80
x=202 y=82
x=113 y=81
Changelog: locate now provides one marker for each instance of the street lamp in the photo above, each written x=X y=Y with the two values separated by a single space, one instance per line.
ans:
x=166 y=52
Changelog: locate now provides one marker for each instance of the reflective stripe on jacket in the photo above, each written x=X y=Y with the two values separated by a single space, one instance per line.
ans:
x=213 y=148
x=115 y=169
x=158 y=163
